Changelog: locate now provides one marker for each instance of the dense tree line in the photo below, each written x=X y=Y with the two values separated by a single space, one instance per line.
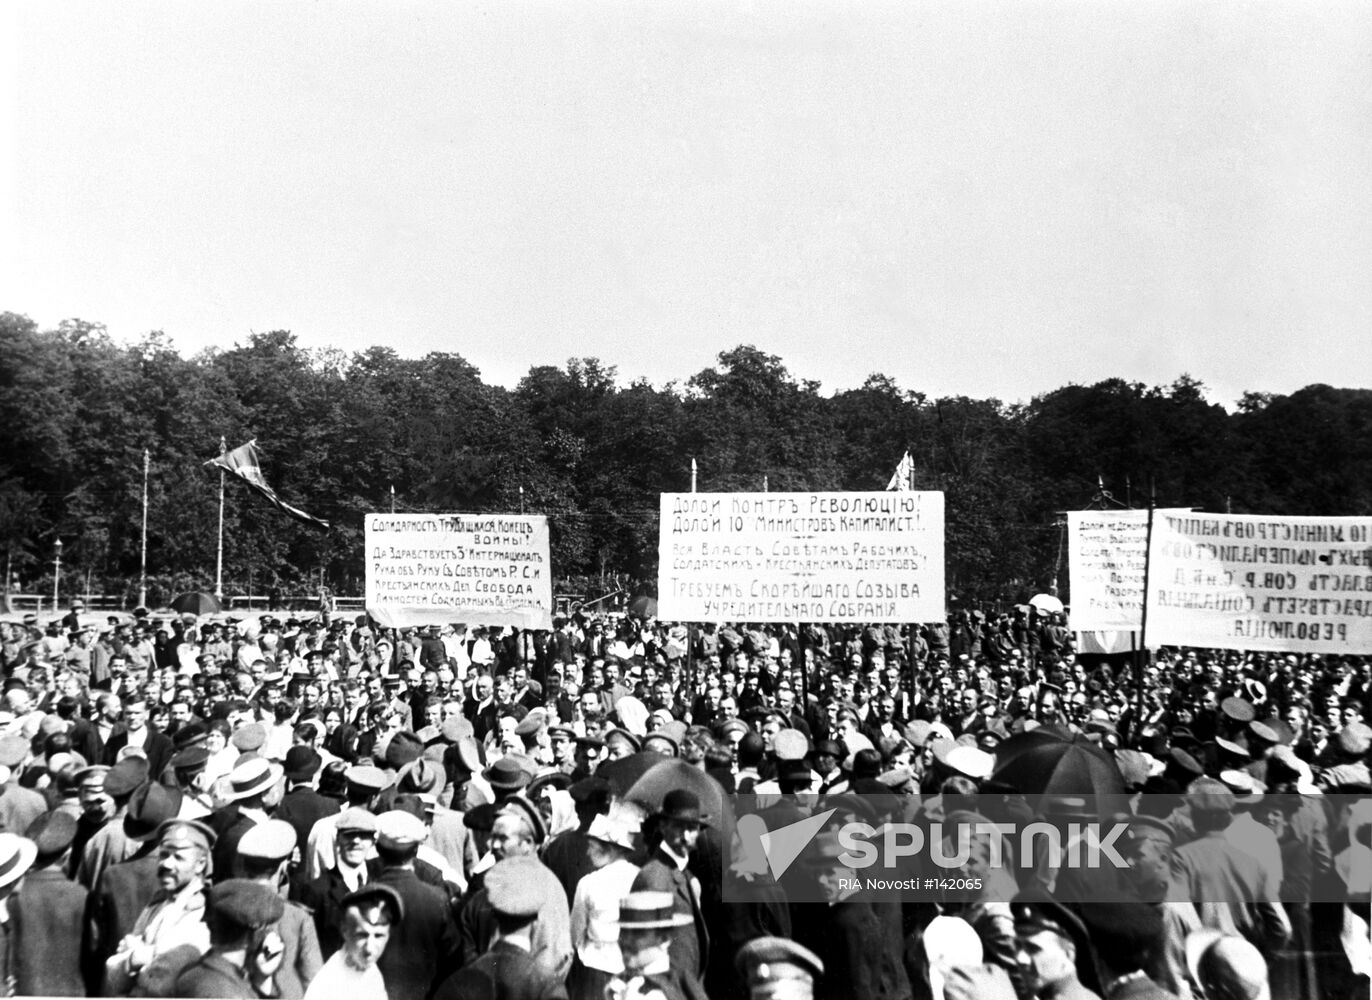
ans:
x=338 y=431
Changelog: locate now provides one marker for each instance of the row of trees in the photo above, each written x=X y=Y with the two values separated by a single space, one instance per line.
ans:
x=338 y=431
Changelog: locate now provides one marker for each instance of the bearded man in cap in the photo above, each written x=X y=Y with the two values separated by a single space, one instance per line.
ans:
x=508 y=971
x=424 y=947
x=175 y=919
x=264 y=852
x=124 y=889
x=245 y=953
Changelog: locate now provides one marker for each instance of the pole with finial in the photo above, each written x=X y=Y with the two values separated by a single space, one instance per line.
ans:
x=392 y=498
x=143 y=559
x=219 y=561
x=693 y=475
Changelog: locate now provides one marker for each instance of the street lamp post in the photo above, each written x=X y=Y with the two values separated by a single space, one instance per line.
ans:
x=56 y=572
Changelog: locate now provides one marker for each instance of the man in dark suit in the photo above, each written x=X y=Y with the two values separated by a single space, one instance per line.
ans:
x=252 y=783
x=122 y=890
x=302 y=806
x=678 y=829
x=239 y=911
x=423 y=947
x=46 y=915
x=136 y=731
x=325 y=894
x=507 y=971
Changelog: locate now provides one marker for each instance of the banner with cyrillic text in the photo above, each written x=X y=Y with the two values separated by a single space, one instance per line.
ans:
x=478 y=569
x=793 y=557
x=1238 y=581
x=1106 y=553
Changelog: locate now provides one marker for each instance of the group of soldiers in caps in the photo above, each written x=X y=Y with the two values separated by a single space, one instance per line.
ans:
x=288 y=807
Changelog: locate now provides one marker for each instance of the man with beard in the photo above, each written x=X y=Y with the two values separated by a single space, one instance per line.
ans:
x=175 y=919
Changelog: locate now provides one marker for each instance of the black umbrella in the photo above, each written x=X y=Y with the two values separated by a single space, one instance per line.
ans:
x=1047 y=762
x=197 y=603
x=643 y=607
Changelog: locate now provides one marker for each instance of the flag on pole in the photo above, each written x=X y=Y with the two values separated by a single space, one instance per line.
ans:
x=904 y=479
x=243 y=463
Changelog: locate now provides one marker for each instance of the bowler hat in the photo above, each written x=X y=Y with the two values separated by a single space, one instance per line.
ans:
x=301 y=763
x=506 y=774
x=681 y=805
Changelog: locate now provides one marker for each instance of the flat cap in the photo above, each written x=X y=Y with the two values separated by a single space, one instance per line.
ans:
x=1035 y=910
x=456 y=728
x=52 y=833
x=364 y=776
x=1209 y=795
x=186 y=833
x=192 y=758
x=732 y=726
x=790 y=744
x=14 y=750
x=517 y=805
x=356 y=820
x=1238 y=709
x=376 y=892
x=398 y=830
x=767 y=960
x=273 y=840
x=403 y=748
x=1355 y=739
x=249 y=738
x=246 y=904
x=125 y=776
x=506 y=773
x=515 y=889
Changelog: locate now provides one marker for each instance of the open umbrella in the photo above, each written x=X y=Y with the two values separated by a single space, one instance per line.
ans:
x=197 y=603
x=1046 y=603
x=1043 y=762
x=671 y=774
x=643 y=607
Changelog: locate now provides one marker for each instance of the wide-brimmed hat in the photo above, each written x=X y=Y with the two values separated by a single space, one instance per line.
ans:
x=149 y=807
x=252 y=777
x=650 y=910
x=608 y=831
x=506 y=774
x=16 y=857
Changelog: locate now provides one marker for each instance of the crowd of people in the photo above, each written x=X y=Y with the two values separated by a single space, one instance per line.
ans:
x=317 y=807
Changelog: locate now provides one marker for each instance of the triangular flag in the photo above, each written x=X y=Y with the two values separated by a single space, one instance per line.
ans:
x=244 y=464
x=903 y=480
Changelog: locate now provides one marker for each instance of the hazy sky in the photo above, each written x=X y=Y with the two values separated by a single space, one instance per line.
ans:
x=975 y=198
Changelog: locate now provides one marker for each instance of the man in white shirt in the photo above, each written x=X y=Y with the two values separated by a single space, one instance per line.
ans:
x=368 y=916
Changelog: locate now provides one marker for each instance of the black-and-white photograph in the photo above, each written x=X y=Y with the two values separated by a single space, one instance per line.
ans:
x=716 y=500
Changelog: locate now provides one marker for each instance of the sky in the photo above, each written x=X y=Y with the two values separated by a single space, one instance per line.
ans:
x=974 y=198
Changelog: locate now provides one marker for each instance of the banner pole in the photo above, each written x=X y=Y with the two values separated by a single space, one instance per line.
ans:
x=1141 y=656
x=219 y=561
x=143 y=559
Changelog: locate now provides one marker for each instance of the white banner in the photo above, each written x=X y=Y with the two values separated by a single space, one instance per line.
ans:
x=1292 y=584
x=478 y=569
x=1106 y=552
x=801 y=557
